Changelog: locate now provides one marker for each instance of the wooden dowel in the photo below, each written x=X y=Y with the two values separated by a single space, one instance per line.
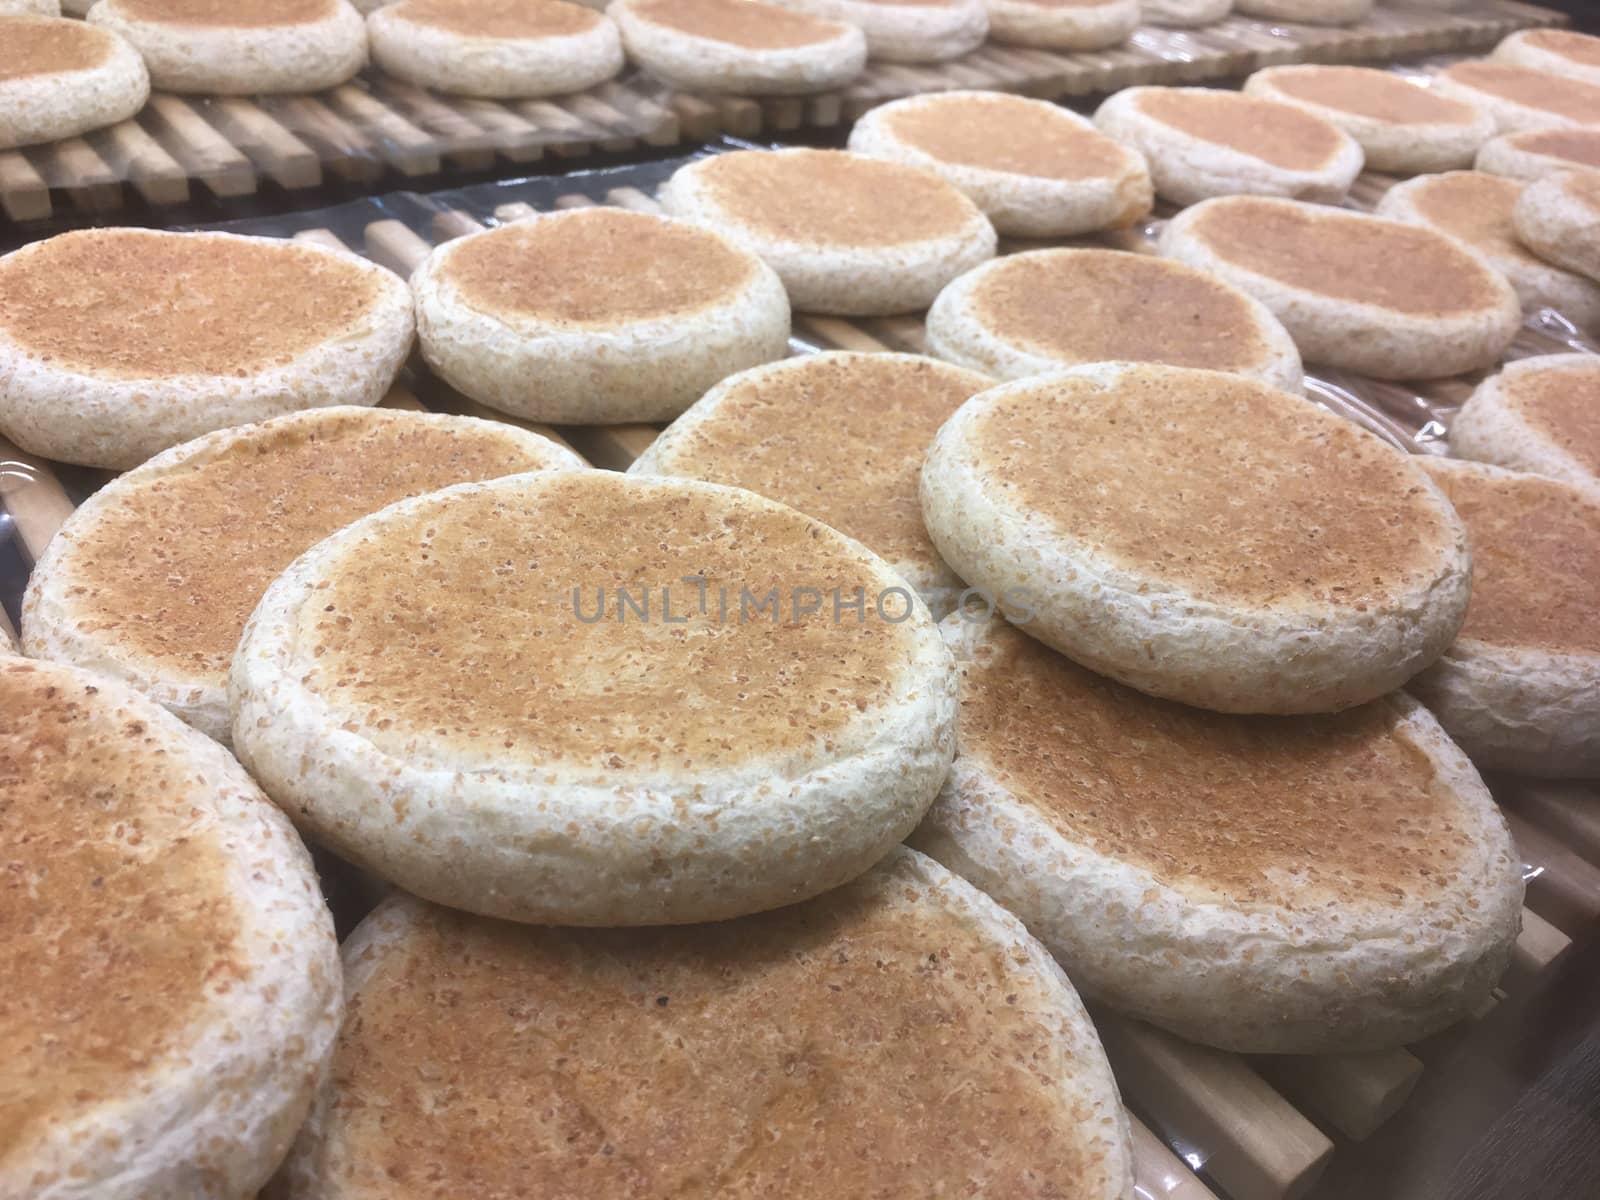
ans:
x=1257 y=1146
x=33 y=496
x=1355 y=1093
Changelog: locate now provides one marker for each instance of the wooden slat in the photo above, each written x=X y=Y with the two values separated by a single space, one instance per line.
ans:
x=24 y=194
x=1158 y=1173
x=396 y=246
x=1538 y=947
x=1568 y=809
x=154 y=173
x=344 y=150
x=278 y=153
x=1563 y=888
x=1257 y=1146
x=613 y=447
x=409 y=150
x=210 y=158
x=1355 y=1093
x=89 y=181
x=34 y=498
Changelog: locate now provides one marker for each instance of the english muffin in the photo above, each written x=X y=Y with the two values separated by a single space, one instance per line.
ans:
x=739 y=46
x=1202 y=142
x=846 y=233
x=1476 y=209
x=1521 y=99
x=1401 y=127
x=117 y=343
x=1031 y=313
x=1281 y=885
x=1539 y=414
x=841 y=437
x=1184 y=13
x=500 y=49
x=908 y=31
x=584 y=698
x=1063 y=24
x=1307 y=12
x=61 y=78
x=243 y=46
x=1381 y=297
x=1558 y=218
x=1554 y=52
x=1519 y=689
x=30 y=8
x=596 y=315
x=1541 y=152
x=1034 y=168
x=1199 y=536
x=175 y=988
x=886 y=1038
x=152 y=579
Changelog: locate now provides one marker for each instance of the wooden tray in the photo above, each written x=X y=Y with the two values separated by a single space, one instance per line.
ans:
x=224 y=148
x=1206 y=1123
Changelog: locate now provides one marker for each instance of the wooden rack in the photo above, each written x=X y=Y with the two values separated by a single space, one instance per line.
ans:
x=224 y=148
x=1251 y=1128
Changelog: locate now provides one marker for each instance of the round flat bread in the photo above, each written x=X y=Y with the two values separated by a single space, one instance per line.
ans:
x=596 y=315
x=1034 y=168
x=1246 y=552
x=30 y=8
x=118 y=343
x=1521 y=99
x=841 y=437
x=1553 y=51
x=846 y=233
x=1390 y=300
x=61 y=78
x=1476 y=209
x=1063 y=24
x=1307 y=12
x=501 y=49
x=1519 y=688
x=884 y=1039
x=176 y=988
x=1558 y=218
x=1539 y=414
x=1202 y=142
x=597 y=699
x=908 y=31
x=241 y=47
x=1333 y=883
x=739 y=46
x=152 y=579
x=1541 y=152
x=1401 y=127
x=1031 y=313
x=1184 y=14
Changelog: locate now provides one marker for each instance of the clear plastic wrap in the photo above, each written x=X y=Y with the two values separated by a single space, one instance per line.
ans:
x=1206 y=1123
